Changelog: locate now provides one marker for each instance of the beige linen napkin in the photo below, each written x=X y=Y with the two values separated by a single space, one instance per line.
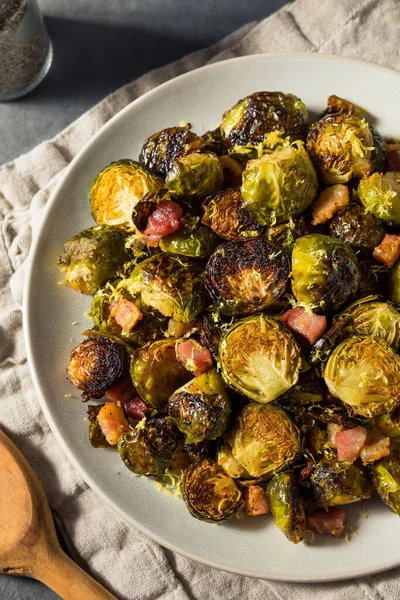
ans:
x=128 y=563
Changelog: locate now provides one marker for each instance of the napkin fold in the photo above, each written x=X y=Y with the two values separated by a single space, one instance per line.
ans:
x=128 y=563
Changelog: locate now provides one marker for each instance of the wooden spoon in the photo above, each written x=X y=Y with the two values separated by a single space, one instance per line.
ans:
x=28 y=540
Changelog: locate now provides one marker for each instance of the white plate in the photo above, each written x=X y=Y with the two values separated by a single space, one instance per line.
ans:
x=253 y=547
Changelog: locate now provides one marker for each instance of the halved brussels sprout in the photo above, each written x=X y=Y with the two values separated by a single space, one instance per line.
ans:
x=117 y=189
x=324 y=272
x=173 y=285
x=96 y=436
x=148 y=448
x=227 y=215
x=364 y=373
x=197 y=242
x=107 y=318
x=92 y=257
x=287 y=505
x=260 y=358
x=380 y=195
x=247 y=275
x=96 y=365
x=209 y=493
x=262 y=440
x=394 y=283
x=280 y=185
x=373 y=316
x=195 y=176
x=355 y=227
x=201 y=409
x=335 y=483
x=251 y=119
x=342 y=147
x=156 y=372
x=161 y=149
x=386 y=476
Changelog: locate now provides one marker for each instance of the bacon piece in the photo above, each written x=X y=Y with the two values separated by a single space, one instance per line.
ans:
x=112 y=421
x=164 y=220
x=349 y=443
x=136 y=409
x=376 y=446
x=330 y=200
x=388 y=250
x=125 y=313
x=332 y=429
x=255 y=501
x=330 y=521
x=194 y=357
x=308 y=325
x=121 y=392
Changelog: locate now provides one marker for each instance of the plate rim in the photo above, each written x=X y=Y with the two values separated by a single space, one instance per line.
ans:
x=28 y=339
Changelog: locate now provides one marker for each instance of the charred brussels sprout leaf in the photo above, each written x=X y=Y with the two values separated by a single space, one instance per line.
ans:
x=117 y=189
x=260 y=358
x=92 y=257
x=195 y=176
x=364 y=373
x=340 y=105
x=227 y=215
x=96 y=365
x=199 y=242
x=380 y=195
x=96 y=436
x=111 y=313
x=386 y=476
x=280 y=185
x=394 y=283
x=262 y=440
x=341 y=147
x=171 y=284
x=335 y=483
x=287 y=506
x=251 y=119
x=358 y=229
x=324 y=271
x=247 y=275
x=148 y=449
x=209 y=493
x=161 y=149
x=201 y=409
x=156 y=372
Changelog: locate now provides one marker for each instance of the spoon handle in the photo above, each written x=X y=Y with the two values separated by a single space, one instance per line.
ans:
x=67 y=579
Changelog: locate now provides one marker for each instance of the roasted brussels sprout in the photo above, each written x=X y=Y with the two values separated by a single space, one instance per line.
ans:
x=148 y=448
x=173 y=285
x=227 y=215
x=96 y=436
x=262 y=440
x=380 y=195
x=260 y=358
x=201 y=409
x=92 y=257
x=287 y=505
x=389 y=423
x=96 y=365
x=394 y=283
x=156 y=372
x=358 y=229
x=209 y=493
x=364 y=373
x=342 y=147
x=324 y=272
x=373 y=277
x=247 y=275
x=251 y=119
x=197 y=242
x=195 y=176
x=340 y=105
x=116 y=312
x=200 y=450
x=117 y=189
x=214 y=142
x=336 y=483
x=280 y=185
x=373 y=316
x=287 y=233
x=386 y=476
x=161 y=149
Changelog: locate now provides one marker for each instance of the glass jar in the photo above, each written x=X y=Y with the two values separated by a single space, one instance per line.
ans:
x=25 y=48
